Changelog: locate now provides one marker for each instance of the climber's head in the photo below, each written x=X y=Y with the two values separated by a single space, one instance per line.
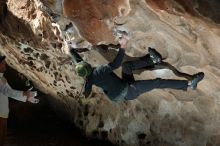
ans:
x=83 y=69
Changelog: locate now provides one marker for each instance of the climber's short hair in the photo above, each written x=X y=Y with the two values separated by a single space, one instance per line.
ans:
x=83 y=69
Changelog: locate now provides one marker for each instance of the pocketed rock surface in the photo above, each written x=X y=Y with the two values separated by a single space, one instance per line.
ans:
x=186 y=33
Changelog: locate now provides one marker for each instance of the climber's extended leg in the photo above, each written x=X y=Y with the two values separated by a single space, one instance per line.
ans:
x=142 y=86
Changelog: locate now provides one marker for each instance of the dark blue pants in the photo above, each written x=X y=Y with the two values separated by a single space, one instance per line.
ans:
x=139 y=87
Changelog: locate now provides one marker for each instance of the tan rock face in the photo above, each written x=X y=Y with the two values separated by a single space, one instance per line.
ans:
x=92 y=17
x=186 y=34
x=206 y=8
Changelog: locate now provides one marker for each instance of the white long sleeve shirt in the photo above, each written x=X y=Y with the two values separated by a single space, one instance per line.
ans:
x=5 y=92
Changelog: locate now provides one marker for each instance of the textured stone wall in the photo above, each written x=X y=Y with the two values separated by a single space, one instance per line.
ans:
x=32 y=37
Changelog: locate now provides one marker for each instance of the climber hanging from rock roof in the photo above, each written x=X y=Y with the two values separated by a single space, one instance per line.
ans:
x=127 y=88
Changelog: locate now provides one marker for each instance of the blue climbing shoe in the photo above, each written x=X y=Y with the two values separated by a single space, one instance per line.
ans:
x=196 y=79
x=154 y=55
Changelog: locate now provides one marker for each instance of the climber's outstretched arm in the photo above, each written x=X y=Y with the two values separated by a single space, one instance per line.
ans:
x=76 y=58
